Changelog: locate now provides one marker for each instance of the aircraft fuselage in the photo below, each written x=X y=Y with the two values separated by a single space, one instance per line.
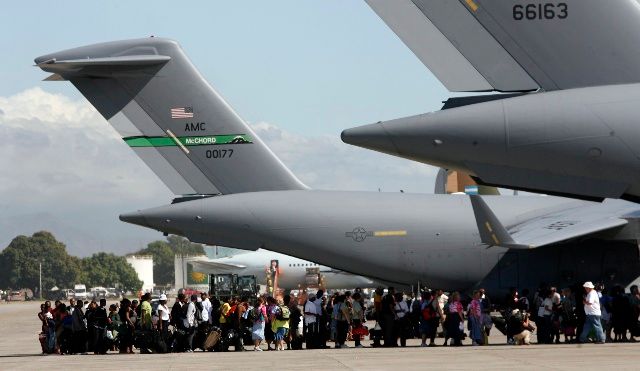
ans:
x=582 y=142
x=394 y=237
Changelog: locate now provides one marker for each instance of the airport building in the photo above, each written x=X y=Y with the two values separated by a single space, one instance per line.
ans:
x=143 y=265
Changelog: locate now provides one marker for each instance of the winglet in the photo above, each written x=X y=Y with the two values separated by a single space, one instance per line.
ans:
x=492 y=232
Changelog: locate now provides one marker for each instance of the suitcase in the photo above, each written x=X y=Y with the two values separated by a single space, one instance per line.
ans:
x=212 y=339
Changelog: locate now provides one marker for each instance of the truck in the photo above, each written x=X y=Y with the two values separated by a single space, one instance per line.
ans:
x=225 y=286
x=80 y=291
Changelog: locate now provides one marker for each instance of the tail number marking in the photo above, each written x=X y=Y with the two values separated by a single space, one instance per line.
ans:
x=540 y=11
x=219 y=153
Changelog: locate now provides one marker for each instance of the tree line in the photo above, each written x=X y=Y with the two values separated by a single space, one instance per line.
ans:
x=20 y=260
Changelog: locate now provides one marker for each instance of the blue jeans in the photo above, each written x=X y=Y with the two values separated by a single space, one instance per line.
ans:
x=592 y=321
x=51 y=339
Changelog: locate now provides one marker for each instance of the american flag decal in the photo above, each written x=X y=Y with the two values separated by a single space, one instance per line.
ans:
x=182 y=113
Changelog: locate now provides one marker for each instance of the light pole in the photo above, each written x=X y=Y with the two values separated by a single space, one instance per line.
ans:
x=40 y=284
x=184 y=271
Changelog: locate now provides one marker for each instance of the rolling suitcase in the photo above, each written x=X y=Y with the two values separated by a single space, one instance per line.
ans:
x=212 y=340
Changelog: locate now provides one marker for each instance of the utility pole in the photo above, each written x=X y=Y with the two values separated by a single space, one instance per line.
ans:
x=40 y=287
x=182 y=266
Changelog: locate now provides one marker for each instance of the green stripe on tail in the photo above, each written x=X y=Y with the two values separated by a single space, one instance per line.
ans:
x=205 y=140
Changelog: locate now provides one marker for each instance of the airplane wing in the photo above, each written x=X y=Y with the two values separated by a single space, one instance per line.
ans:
x=506 y=45
x=215 y=267
x=546 y=229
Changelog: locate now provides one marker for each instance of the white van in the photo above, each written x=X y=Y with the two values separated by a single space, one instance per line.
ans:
x=80 y=291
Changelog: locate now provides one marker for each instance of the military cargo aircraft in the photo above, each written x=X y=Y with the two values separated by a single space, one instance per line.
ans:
x=233 y=191
x=565 y=122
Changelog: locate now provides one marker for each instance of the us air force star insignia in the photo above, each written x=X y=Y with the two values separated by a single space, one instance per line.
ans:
x=358 y=234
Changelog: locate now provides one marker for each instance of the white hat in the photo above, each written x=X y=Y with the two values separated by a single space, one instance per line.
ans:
x=588 y=285
x=163 y=297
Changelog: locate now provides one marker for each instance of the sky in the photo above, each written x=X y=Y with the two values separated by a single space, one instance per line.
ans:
x=299 y=72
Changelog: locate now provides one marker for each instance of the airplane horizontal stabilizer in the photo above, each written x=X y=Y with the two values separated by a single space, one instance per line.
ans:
x=215 y=267
x=554 y=227
x=71 y=65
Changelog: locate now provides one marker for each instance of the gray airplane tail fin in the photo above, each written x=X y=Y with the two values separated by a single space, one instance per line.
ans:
x=492 y=232
x=171 y=117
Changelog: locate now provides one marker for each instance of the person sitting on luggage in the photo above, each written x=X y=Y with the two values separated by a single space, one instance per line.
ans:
x=520 y=327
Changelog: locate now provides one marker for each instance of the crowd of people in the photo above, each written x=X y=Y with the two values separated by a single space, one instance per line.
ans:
x=267 y=323
x=579 y=314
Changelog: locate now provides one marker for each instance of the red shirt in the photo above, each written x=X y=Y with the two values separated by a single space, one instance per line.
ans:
x=455 y=307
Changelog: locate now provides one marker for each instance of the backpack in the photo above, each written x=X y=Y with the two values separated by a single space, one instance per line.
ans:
x=340 y=315
x=428 y=313
x=415 y=307
x=283 y=313
x=232 y=311
x=254 y=314
x=176 y=314
x=198 y=314
x=516 y=323
x=67 y=322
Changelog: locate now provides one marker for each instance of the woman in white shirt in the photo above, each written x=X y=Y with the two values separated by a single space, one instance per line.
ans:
x=401 y=324
x=163 y=317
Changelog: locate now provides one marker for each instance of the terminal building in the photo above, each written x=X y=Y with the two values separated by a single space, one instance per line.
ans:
x=143 y=265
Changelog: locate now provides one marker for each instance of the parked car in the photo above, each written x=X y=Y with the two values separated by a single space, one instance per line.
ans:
x=16 y=296
x=99 y=293
x=113 y=293
x=20 y=295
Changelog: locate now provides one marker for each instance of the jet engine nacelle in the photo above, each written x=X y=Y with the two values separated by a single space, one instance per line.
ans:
x=581 y=142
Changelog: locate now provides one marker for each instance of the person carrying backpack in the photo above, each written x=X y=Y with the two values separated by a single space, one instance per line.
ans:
x=280 y=323
x=189 y=321
x=199 y=318
x=343 y=321
x=431 y=313
x=258 y=316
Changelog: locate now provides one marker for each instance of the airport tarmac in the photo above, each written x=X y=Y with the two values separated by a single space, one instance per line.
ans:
x=19 y=349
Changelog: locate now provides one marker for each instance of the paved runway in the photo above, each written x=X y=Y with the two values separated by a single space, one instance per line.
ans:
x=19 y=349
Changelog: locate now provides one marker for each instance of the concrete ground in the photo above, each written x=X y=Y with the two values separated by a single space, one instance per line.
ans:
x=20 y=349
